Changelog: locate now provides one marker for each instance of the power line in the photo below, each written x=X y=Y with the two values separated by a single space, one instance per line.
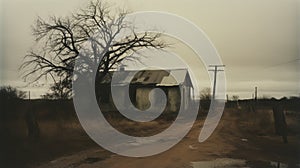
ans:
x=283 y=63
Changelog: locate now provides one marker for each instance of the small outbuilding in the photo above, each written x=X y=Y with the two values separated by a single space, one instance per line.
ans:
x=140 y=83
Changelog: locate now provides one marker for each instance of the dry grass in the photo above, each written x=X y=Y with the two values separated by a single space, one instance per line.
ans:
x=62 y=134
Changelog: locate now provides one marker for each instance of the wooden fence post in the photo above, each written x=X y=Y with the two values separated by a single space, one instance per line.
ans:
x=279 y=120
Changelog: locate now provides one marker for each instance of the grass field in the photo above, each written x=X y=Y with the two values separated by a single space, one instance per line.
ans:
x=241 y=134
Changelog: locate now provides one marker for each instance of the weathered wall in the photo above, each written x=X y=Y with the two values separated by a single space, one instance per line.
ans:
x=173 y=99
x=142 y=98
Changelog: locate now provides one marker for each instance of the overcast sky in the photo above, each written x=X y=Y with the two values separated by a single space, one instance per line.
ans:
x=258 y=40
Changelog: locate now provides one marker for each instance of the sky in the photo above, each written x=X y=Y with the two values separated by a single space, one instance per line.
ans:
x=258 y=41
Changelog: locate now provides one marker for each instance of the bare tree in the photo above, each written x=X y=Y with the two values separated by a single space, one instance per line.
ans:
x=61 y=40
x=205 y=98
x=9 y=98
x=235 y=98
x=59 y=90
x=205 y=94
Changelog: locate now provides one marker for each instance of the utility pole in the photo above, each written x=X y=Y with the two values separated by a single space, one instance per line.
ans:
x=255 y=98
x=215 y=70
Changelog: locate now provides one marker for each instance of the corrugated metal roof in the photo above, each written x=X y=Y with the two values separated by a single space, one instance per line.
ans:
x=176 y=77
x=173 y=77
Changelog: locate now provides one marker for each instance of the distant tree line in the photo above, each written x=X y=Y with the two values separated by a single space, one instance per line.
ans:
x=11 y=93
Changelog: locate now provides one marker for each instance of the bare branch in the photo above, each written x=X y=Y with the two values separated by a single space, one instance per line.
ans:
x=60 y=40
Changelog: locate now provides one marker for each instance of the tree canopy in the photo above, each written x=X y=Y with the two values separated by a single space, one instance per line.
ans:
x=60 y=41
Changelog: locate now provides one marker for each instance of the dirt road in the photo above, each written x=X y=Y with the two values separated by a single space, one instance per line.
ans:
x=237 y=136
